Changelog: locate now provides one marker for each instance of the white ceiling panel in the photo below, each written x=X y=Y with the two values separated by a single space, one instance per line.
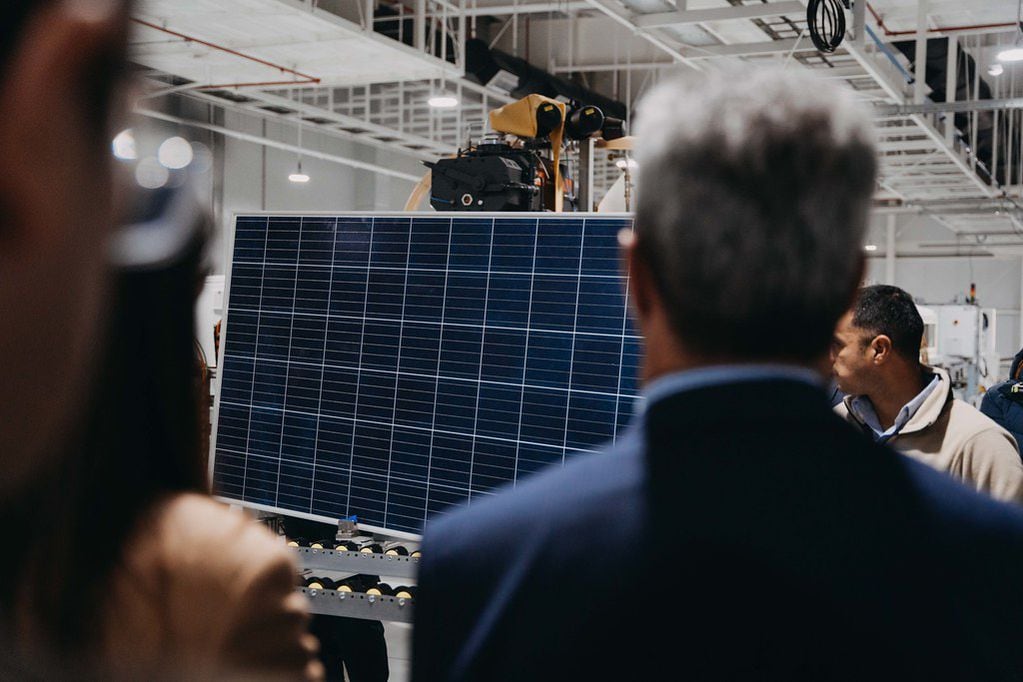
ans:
x=284 y=33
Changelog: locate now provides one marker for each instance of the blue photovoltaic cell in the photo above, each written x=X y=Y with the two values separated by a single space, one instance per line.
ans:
x=393 y=367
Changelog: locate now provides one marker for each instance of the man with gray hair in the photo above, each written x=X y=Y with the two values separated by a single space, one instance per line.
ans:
x=737 y=511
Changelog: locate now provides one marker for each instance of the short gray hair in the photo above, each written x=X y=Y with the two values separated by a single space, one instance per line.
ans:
x=752 y=202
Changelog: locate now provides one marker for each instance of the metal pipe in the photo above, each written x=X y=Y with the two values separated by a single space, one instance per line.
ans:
x=613 y=67
x=527 y=8
x=192 y=39
x=940 y=29
x=889 y=249
x=952 y=107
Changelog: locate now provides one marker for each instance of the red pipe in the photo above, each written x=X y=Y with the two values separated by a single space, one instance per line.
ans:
x=306 y=78
x=942 y=29
x=223 y=86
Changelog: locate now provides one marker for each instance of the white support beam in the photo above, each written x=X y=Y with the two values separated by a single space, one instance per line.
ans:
x=256 y=139
x=419 y=26
x=747 y=49
x=527 y=8
x=951 y=85
x=920 y=56
x=699 y=16
x=952 y=107
x=613 y=10
x=427 y=152
x=624 y=66
x=889 y=249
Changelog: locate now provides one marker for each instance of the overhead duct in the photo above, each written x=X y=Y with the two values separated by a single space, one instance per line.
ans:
x=486 y=66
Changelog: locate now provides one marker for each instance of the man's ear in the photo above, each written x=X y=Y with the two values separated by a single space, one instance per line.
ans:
x=641 y=285
x=881 y=347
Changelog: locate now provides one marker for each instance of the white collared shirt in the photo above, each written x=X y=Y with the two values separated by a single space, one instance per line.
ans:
x=864 y=409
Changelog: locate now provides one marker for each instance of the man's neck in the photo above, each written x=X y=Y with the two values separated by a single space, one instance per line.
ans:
x=905 y=385
x=656 y=366
x=664 y=354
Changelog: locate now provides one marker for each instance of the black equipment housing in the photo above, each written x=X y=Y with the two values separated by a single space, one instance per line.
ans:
x=492 y=177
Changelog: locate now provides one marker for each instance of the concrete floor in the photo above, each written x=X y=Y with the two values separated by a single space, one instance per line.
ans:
x=399 y=650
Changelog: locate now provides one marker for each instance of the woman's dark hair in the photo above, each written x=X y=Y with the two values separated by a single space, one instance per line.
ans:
x=139 y=442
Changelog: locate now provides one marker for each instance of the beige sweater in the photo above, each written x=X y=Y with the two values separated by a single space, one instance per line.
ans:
x=952 y=436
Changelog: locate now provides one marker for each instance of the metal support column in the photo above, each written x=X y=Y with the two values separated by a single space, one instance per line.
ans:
x=419 y=24
x=585 y=193
x=889 y=249
x=951 y=84
x=920 y=60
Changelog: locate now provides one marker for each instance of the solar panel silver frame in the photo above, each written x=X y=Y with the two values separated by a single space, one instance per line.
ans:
x=228 y=255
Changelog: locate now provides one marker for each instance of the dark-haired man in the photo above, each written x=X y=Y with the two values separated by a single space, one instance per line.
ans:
x=895 y=399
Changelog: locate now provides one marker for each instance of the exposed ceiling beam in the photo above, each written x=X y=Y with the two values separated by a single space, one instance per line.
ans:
x=698 y=16
x=746 y=49
x=527 y=8
x=955 y=107
x=615 y=11
x=624 y=66
x=266 y=142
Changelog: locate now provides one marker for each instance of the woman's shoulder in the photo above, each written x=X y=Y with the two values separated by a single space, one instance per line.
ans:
x=191 y=532
x=200 y=582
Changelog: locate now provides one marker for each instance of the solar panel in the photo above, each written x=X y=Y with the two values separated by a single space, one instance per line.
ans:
x=395 y=366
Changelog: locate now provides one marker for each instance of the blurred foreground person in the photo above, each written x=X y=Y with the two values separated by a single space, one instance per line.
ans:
x=119 y=564
x=780 y=542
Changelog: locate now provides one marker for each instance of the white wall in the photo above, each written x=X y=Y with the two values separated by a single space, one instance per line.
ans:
x=255 y=178
x=947 y=278
x=944 y=280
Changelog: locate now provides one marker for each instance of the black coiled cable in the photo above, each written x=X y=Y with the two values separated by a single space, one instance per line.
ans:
x=826 y=22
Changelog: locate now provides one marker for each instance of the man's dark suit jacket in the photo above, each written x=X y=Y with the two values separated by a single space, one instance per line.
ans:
x=739 y=531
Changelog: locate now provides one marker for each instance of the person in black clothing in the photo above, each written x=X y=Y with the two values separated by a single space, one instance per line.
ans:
x=1004 y=402
x=353 y=645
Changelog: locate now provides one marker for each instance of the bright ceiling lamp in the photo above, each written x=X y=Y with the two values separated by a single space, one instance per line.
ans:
x=123 y=145
x=1013 y=54
x=995 y=70
x=298 y=175
x=870 y=247
x=627 y=163
x=443 y=102
x=175 y=153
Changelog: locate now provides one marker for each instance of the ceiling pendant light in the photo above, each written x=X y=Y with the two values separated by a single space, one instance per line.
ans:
x=1013 y=54
x=439 y=97
x=443 y=102
x=298 y=176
